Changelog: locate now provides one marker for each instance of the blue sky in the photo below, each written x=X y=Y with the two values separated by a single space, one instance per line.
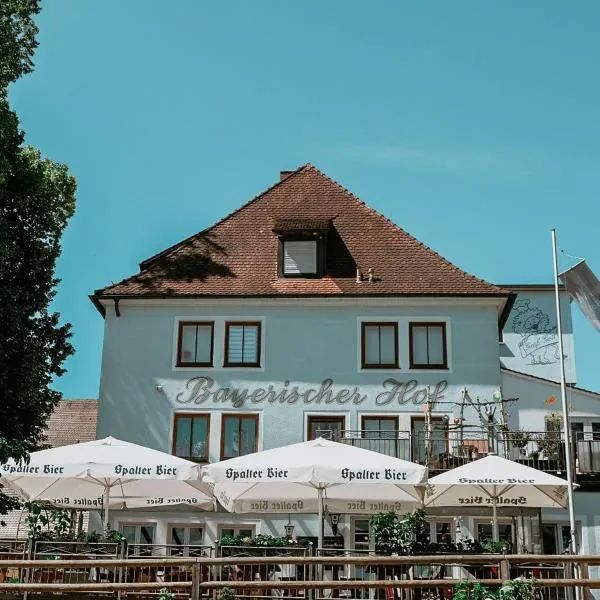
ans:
x=473 y=125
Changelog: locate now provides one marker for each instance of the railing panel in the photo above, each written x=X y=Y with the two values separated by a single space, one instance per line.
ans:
x=345 y=574
x=50 y=550
x=452 y=446
x=155 y=550
x=390 y=443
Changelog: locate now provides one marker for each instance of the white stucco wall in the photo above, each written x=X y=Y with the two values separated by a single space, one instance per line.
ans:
x=533 y=404
x=304 y=343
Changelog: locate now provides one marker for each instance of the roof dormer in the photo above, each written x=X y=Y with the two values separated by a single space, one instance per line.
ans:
x=302 y=247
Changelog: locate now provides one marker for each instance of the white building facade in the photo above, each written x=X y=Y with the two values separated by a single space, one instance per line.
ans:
x=307 y=314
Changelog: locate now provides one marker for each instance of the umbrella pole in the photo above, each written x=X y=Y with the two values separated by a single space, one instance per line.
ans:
x=495 y=534
x=106 y=501
x=320 y=500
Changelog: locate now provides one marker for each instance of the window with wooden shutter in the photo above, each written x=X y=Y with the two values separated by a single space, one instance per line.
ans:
x=300 y=257
x=242 y=344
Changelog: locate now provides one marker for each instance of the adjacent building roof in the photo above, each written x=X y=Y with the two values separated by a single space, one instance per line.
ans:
x=571 y=386
x=72 y=422
x=238 y=255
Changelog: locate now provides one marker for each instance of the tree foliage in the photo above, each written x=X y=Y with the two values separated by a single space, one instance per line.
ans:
x=37 y=198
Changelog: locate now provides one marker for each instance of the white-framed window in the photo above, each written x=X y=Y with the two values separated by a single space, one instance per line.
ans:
x=139 y=537
x=241 y=531
x=379 y=345
x=361 y=534
x=586 y=429
x=441 y=532
x=428 y=347
x=185 y=540
x=556 y=537
x=483 y=530
x=299 y=258
x=242 y=343
x=195 y=344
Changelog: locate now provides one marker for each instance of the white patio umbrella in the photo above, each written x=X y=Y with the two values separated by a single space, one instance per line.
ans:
x=302 y=498
x=279 y=479
x=108 y=473
x=494 y=481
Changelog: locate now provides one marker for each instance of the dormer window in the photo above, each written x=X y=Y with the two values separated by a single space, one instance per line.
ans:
x=302 y=244
x=299 y=258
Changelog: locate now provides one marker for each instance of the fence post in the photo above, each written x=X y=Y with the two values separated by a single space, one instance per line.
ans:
x=584 y=573
x=195 y=593
x=121 y=554
x=504 y=573
x=27 y=572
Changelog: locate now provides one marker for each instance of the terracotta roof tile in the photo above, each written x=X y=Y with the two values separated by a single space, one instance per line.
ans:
x=238 y=255
x=72 y=422
x=286 y=225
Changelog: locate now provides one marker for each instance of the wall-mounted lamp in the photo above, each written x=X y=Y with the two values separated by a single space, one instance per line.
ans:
x=334 y=519
x=289 y=530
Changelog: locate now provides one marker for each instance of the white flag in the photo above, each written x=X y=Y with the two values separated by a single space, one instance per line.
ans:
x=583 y=286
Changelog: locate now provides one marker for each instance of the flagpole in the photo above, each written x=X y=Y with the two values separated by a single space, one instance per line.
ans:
x=565 y=408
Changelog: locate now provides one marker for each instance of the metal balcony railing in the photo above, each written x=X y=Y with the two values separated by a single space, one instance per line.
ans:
x=452 y=446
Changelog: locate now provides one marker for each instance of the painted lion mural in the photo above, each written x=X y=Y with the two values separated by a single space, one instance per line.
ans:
x=539 y=341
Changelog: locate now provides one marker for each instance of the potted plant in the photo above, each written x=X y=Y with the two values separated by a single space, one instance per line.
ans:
x=519 y=588
x=518 y=442
x=405 y=534
x=549 y=442
x=227 y=593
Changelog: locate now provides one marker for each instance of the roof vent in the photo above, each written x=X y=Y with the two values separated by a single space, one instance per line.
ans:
x=284 y=175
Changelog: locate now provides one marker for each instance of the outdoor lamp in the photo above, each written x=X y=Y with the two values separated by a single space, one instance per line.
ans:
x=289 y=530
x=335 y=519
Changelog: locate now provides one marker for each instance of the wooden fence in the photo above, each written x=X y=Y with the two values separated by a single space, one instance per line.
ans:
x=365 y=577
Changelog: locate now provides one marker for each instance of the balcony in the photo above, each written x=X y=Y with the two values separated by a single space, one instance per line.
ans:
x=450 y=447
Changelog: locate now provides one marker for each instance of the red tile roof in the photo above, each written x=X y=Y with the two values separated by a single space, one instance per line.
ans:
x=238 y=255
x=72 y=422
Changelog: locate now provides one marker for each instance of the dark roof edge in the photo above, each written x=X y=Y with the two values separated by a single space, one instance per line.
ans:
x=79 y=400
x=510 y=301
x=530 y=286
x=98 y=295
x=95 y=299
x=571 y=386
